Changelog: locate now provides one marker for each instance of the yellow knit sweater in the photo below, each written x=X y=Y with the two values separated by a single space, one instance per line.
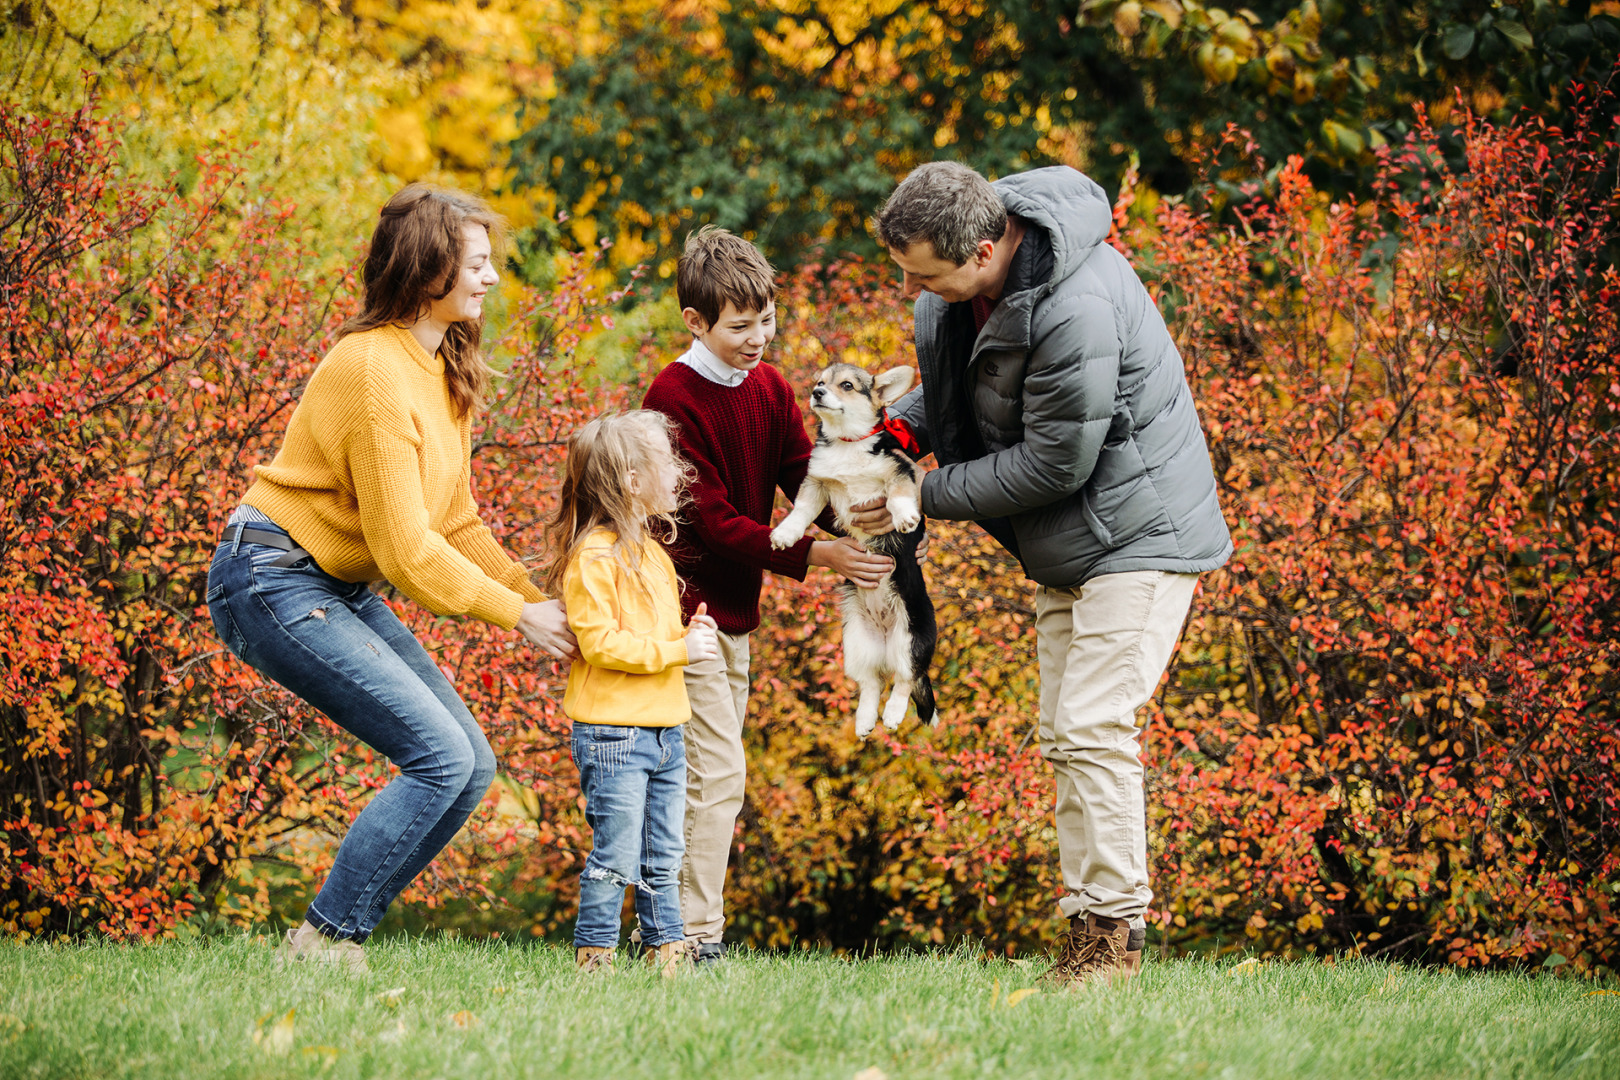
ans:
x=632 y=643
x=374 y=480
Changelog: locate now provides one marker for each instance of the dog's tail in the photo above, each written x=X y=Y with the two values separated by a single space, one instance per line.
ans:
x=922 y=692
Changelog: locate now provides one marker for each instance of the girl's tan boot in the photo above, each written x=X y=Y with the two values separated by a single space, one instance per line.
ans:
x=668 y=958
x=590 y=960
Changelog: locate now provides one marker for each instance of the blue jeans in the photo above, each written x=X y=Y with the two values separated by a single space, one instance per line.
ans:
x=340 y=648
x=634 y=780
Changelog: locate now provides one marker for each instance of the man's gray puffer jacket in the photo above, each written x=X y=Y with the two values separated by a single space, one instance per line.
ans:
x=1066 y=427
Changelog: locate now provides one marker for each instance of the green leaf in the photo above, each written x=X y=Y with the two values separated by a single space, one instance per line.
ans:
x=1458 y=42
x=1555 y=960
x=1516 y=33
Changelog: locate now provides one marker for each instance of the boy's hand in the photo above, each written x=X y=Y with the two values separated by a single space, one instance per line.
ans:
x=847 y=558
x=546 y=626
x=701 y=643
x=872 y=518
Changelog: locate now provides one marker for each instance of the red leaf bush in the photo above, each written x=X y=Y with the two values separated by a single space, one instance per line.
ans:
x=1390 y=729
x=153 y=348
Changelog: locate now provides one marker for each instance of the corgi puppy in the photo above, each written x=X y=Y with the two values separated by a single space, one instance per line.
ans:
x=859 y=456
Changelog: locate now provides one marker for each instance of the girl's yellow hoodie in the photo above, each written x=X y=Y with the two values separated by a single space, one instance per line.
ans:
x=630 y=638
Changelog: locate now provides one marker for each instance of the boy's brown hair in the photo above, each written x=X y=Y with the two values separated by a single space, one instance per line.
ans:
x=718 y=266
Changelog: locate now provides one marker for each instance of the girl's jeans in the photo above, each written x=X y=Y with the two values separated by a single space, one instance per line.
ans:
x=634 y=779
x=341 y=649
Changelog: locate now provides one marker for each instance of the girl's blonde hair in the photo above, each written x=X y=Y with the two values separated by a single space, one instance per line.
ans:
x=596 y=492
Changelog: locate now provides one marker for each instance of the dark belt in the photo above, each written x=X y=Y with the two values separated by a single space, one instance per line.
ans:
x=247 y=534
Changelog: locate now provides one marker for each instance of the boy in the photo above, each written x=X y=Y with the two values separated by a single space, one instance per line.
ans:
x=738 y=422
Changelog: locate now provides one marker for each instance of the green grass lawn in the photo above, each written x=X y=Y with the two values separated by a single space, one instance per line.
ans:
x=436 y=1007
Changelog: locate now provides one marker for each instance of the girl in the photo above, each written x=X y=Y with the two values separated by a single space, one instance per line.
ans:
x=626 y=696
x=372 y=483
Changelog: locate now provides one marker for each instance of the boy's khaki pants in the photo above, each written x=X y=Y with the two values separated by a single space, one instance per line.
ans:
x=1102 y=648
x=716 y=773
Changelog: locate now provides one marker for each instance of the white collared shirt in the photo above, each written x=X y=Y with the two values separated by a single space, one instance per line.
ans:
x=701 y=360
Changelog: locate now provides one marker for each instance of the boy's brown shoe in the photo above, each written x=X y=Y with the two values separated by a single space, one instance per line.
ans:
x=590 y=960
x=1096 y=948
x=667 y=959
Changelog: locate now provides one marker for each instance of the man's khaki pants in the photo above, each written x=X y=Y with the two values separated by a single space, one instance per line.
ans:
x=1102 y=648
x=716 y=774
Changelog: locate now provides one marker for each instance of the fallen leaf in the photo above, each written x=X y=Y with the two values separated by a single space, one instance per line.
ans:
x=498 y=990
x=464 y=1019
x=11 y=1029
x=1251 y=966
x=995 y=993
x=1600 y=993
x=327 y=1054
x=1019 y=995
x=391 y=998
x=277 y=1039
x=874 y=1073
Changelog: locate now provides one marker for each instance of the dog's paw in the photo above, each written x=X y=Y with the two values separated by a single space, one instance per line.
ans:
x=907 y=521
x=866 y=718
x=894 y=710
x=784 y=536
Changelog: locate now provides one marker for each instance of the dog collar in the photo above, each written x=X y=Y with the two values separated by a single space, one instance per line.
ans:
x=898 y=428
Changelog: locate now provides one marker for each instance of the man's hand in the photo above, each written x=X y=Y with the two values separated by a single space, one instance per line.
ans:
x=546 y=626
x=853 y=562
x=872 y=518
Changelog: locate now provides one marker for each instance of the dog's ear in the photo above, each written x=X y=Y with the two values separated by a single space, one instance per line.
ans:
x=892 y=384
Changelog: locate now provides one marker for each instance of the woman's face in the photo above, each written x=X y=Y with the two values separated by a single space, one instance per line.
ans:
x=474 y=277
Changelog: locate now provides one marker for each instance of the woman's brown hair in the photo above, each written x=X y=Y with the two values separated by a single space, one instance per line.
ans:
x=413 y=260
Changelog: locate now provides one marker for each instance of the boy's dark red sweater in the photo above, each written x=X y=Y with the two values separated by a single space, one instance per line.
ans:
x=745 y=441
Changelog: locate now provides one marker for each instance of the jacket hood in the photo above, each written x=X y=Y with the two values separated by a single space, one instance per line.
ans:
x=1068 y=204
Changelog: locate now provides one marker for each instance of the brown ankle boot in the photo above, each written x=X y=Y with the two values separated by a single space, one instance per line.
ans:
x=667 y=959
x=1096 y=948
x=589 y=960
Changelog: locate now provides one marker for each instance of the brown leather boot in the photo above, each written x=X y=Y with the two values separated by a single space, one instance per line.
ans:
x=590 y=960
x=667 y=959
x=1096 y=948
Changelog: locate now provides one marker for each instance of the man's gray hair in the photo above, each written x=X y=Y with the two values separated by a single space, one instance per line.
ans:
x=947 y=204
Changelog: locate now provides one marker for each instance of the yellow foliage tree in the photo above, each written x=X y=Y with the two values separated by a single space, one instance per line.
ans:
x=331 y=106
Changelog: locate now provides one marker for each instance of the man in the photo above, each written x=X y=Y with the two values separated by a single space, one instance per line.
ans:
x=1055 y=404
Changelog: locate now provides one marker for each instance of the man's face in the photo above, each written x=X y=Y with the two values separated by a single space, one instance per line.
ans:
x=953 y=284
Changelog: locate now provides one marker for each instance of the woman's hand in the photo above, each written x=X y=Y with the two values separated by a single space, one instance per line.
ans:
x=546 y=626
x=701 y=640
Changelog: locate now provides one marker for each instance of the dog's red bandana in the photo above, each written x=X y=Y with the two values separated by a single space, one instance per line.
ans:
x=899 y=429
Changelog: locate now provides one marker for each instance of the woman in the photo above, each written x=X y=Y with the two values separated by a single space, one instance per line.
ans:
x=372 y=483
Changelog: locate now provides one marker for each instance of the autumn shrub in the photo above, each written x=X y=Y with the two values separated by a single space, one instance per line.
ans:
x=154 y=346
x=1391 y=726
